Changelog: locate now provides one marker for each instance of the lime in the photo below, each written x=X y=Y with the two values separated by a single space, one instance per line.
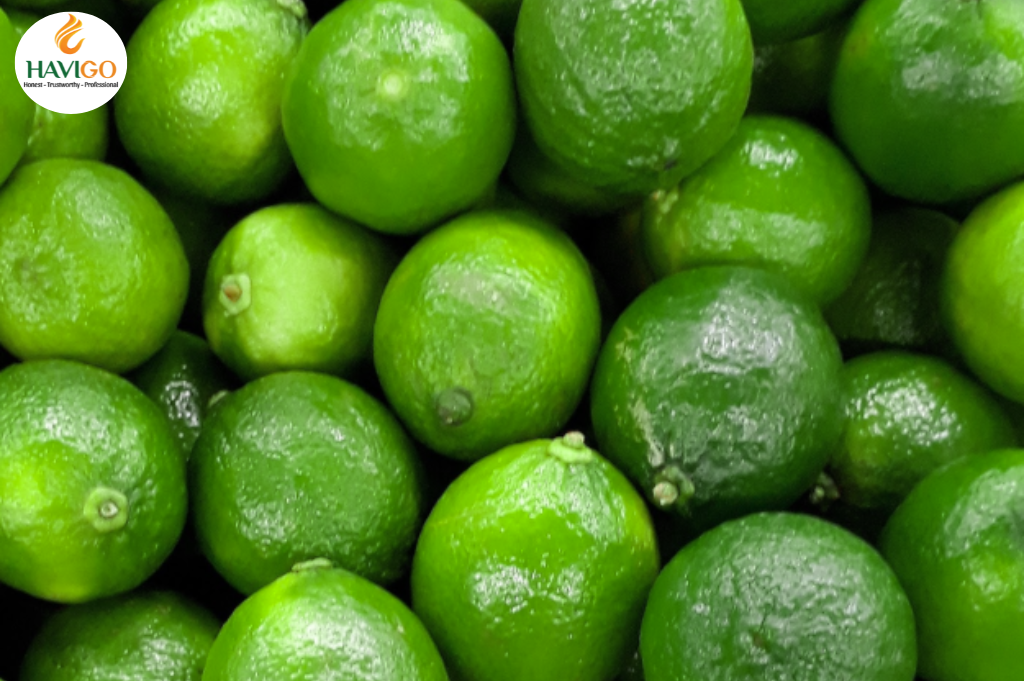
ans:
x=907 y=415
x=773 y=22
x=778 y=596
x=487 y=333
x=982 y=292
x=321 y=624
x=605 y=97
x=779 y=195
x=92 y=485
x=412 y=126
x=956 y=545
x=201 y=111
x=201 y=226
x=793 y=78
x=718 y=393
x=184 y=379
x=535 y=564
x=157 y=636
x=296 y=466
x=16 y=109
x=894 y=297
x=929 y=96
x=91 y=268
x=294 y=287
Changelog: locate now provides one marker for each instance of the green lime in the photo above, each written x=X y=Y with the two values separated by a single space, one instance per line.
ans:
x=907 y=415
x=296 y=466
x=410 y=128
x=154 y=636
x=184 y=379
x=956 y=545
x=778 y=596
x=928 y=96
x=487 y=333
x=718 y=393
x=295 y=287
x=535 y=564
x=201 y=111
x=201 y=226
x=894 y=297
x=92 y=484
x=323 y=624
x=16 y=109
x=793 y=78
x=983 y=294
x=772 y=22
x=779 y=195
x=606 y=98
x=91 y=268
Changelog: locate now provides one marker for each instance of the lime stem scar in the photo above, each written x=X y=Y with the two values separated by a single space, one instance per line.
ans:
x=571 y=448
x=235 y=293
x=106 y=509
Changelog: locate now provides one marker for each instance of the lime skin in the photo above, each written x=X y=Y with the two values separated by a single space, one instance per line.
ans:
x=957 y=546
x=16 y=109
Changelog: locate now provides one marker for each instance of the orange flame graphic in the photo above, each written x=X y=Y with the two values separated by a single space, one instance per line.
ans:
x=64 y=35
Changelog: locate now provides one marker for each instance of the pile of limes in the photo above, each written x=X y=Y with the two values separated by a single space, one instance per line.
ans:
x=518 y=340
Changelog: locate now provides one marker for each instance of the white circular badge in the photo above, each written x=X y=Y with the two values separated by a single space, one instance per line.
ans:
x=71 y=62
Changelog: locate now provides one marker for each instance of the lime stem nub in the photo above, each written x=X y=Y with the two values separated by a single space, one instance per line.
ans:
x=825 y=492
x=315 y=564
x=106 y=509
x=672 y=488
x=454 y=406
x=571 y=448
x=235 y=293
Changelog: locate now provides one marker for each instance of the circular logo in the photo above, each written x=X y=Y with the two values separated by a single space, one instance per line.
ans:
x=71 y=62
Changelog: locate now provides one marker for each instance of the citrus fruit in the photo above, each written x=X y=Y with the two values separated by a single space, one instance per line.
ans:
x=92 y=485
x=535 y=564
x=718 y=392
x=410 y=128
x=486 y=333
x=91 y=267
x=296 y=466
x=773 y=22
x=323 y=624
x=955 y=544
x=793 y=78
x=604 y=96
x=982 y=293
x=201 y=112
x=295 y=287
x=778 y=596
x=16 y=109
x=928 y=96
x=144 y=636
x=183 y=379
x=894 y=297
x=907 y=415
x=779 y=195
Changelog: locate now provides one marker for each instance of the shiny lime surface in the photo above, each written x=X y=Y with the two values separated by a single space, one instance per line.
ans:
x=894 y=297
x=201 y=111
x=955 y=544
x=16 y=109
x=296 y=466
x=183 y=379
x=928 y=96
x=412 y=126
x=91 y=268
x=577 y=64
x=535 y=564
x=487 y=333
x=907 y=415
x=718 y=392
x=779 y=195
x=322 y=624
x=92 y=484
x=983 y=294
x=778 y=596
x=294 y=287
x=143 y=636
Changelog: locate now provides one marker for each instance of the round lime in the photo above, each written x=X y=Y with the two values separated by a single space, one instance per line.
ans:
x=16 y=109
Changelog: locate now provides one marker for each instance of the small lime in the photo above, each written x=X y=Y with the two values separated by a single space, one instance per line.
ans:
x=16 y=109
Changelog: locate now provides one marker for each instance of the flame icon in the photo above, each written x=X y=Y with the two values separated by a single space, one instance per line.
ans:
x=64 y=35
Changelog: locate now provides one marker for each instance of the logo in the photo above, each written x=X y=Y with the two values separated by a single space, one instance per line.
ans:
x=71 y=63
x=65 y=34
